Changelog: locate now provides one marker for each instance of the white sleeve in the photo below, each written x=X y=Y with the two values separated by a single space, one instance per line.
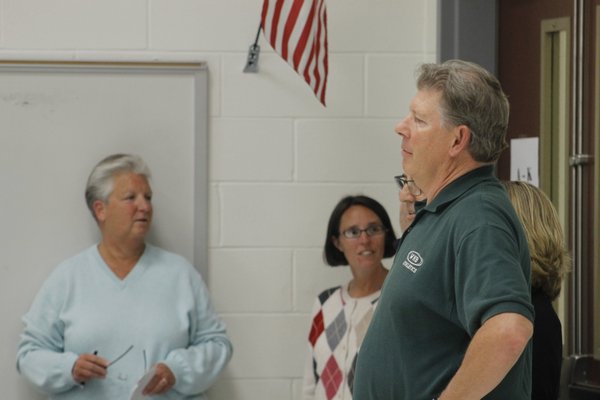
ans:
x=40 y=355
x=308 y=382
x=198 y=366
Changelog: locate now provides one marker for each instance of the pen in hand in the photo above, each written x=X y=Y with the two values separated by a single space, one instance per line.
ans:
x=84 y=358
x=95 y=353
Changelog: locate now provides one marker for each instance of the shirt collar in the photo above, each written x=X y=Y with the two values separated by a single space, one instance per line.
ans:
x=461 y=185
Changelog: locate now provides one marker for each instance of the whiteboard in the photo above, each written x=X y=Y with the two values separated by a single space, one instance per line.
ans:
x=57 y=120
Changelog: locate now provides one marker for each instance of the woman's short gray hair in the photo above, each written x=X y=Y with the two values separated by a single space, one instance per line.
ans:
x=100 y=183
x=473 y=97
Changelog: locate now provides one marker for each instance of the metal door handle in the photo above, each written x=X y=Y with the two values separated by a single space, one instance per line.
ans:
x=580 y=159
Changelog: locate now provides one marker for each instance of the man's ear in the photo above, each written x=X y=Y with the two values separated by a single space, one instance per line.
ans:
x=462 y=138
x=99 y=210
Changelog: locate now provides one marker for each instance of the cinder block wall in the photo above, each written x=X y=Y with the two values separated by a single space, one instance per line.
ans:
x=278 y=160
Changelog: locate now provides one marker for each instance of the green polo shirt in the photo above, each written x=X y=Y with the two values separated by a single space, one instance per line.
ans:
x=462 y=261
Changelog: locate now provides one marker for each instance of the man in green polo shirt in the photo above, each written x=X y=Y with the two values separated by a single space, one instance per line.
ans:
x=454 y=319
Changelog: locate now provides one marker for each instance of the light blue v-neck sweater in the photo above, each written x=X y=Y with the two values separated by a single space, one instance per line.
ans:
x=162 y=308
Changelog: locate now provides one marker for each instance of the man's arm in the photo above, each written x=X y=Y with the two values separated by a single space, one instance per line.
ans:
x=493 y=351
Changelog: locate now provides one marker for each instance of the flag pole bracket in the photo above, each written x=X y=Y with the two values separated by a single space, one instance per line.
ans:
x=253 y=53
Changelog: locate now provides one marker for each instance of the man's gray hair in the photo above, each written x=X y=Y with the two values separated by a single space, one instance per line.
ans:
x=100 y=183
x=471 y=96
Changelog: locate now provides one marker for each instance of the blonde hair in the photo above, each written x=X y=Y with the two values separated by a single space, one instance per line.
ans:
x=550 y=259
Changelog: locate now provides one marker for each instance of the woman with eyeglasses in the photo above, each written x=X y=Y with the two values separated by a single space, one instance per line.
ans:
x=359 y=234
x=122 y=309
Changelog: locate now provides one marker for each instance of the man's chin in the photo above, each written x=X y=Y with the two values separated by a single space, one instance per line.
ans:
x=406 y=168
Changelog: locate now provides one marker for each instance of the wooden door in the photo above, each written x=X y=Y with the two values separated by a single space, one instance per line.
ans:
x=548 y=66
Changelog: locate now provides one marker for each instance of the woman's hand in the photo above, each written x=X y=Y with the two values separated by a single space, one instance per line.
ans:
x=89 y=366
x=161 y=382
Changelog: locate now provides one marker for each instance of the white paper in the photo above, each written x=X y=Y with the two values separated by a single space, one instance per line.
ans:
x=524 y=164
x=139 y=387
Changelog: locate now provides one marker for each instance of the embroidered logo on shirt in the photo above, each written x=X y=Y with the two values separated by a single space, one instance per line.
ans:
x=413 y=261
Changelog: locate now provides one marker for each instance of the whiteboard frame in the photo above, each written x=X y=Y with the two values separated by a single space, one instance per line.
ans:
x=198 y=71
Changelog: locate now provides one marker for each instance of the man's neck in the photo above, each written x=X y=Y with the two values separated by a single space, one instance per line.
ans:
x=450 y=174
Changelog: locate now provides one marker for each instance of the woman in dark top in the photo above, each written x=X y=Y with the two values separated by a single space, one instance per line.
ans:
x=550 y=261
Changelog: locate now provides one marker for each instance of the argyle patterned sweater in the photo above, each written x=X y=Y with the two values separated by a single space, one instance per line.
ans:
x=339 y=324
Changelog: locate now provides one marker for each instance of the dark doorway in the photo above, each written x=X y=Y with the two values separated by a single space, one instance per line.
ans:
x=548 y=66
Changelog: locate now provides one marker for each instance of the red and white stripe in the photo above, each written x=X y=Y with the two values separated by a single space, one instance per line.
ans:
x=297 y=30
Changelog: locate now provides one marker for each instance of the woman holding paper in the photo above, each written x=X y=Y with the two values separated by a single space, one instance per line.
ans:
x=123 y=309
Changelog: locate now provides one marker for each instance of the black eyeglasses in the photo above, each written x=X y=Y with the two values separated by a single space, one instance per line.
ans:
x=121 y=356
x=402 y=181
x=371 y=230
x=117 y=359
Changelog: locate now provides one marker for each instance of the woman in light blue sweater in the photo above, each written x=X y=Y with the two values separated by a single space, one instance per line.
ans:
x=122 y=308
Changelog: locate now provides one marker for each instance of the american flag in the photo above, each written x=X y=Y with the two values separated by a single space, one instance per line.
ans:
x=297 y=30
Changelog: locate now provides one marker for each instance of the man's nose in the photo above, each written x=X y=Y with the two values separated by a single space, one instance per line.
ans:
x=401 y=127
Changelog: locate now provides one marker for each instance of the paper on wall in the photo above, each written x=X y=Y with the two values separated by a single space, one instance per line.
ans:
x=524 y=160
